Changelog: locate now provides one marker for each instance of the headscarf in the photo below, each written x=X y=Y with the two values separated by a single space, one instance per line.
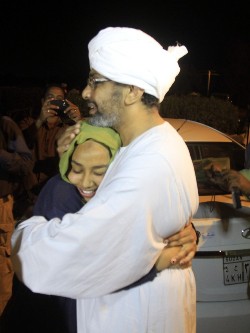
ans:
x=130 y=56
x=103 y=135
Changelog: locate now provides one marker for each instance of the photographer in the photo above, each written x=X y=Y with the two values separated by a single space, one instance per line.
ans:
x=42 y=134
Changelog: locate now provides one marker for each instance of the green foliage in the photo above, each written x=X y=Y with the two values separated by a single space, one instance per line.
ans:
x=214 y=112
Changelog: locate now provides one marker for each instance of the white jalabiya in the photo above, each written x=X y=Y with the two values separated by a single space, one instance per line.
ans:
x=148 y=193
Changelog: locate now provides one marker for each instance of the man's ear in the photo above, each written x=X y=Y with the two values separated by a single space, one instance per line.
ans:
x=134 y=95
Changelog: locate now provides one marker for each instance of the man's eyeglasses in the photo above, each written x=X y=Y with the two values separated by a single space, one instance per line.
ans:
x=92 y=82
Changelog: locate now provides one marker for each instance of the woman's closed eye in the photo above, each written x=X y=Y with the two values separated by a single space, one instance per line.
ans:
x=97 y=171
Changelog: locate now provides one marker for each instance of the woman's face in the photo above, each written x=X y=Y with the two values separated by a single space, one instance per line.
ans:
x=89 y=164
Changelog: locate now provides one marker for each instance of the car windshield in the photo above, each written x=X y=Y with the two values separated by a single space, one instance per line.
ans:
x=229 y=155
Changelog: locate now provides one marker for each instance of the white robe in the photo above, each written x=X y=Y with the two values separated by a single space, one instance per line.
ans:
x=148 y=193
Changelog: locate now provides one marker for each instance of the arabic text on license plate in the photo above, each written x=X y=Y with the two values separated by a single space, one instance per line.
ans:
x=236 y=269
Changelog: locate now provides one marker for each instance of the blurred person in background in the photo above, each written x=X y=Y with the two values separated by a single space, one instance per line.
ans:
x=42 y=133
x=16 y=166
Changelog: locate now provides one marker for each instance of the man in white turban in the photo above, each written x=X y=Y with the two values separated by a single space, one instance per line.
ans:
x=148 y=193
x=132 y=57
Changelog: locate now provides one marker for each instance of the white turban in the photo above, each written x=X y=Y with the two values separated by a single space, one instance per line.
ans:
x=130 y=56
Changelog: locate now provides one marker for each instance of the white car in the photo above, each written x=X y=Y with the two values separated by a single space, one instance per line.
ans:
x=222 y=262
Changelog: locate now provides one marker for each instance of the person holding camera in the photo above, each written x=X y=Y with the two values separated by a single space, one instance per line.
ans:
x=57 y=113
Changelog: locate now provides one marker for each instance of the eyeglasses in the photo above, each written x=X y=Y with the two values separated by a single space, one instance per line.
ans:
x=92 y=82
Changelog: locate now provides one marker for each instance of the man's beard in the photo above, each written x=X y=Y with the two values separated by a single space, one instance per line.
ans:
x=110 y=118
x=101 y=120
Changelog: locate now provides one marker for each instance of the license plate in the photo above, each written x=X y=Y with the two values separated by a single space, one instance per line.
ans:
x=236 y=269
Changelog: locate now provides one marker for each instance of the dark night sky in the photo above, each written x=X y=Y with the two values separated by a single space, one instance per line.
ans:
x=47 y=40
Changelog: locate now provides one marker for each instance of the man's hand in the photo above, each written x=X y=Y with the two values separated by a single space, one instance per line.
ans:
x=73 y=111
x=67 y=137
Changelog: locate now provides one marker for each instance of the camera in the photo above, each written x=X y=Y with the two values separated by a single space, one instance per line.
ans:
x=63 y=105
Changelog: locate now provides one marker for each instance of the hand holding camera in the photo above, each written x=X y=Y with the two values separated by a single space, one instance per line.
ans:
x=67 y=111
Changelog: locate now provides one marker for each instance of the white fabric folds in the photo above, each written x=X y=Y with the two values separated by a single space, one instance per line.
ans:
x=130 y=56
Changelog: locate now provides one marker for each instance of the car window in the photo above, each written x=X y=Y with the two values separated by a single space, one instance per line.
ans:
x=229 y=155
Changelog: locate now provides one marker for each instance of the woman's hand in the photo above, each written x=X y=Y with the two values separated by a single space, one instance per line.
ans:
x=180 y=249
x=187 y=240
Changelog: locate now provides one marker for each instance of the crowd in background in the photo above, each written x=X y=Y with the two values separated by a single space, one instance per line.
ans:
x=28 y=159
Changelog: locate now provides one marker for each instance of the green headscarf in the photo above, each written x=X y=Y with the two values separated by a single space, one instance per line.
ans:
x=103 y=135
